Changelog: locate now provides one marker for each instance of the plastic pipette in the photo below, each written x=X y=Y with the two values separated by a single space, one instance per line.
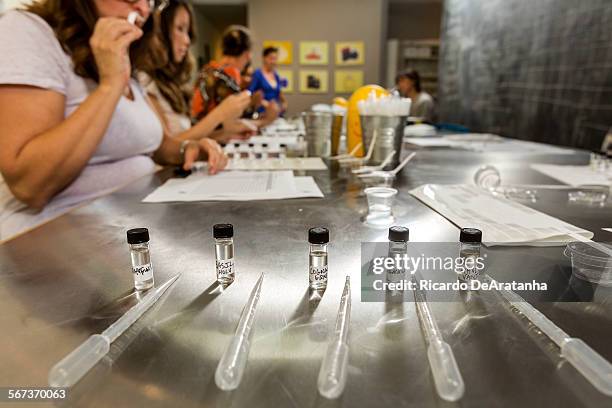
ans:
x=75 y=365
x=447 y=377
x=596 y=369
x=369 y=169
x=393 y=172
x=231 y=367
x=364 y=159
x=332 y=376
x=349 y=155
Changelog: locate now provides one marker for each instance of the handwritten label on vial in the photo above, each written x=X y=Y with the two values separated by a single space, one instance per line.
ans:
x=143 y=272
x=225 y=268
x=318 y=273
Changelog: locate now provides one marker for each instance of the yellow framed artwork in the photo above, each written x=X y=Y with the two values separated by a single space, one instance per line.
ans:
x=285 y=50
x=314 y=53
x=313 y=81
x=286 y=79
x=346 y=81
x=350 y=53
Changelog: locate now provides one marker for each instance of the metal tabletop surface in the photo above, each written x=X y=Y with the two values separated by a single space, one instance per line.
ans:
x=71 y=278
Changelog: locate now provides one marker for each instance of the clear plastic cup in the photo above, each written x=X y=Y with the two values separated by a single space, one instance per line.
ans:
x=380 y=204
x=590 y=263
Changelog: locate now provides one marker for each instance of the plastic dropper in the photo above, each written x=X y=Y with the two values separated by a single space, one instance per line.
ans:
x=447 y=377
x=231 y=367
x=596 y=369
x=364 y=159
x=381 y=166
x=349 y=154
x=75 y=365
x=390 y=173
x=332 y=376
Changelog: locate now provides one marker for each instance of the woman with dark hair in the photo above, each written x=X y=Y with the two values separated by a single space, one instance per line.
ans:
x=219 y=79
x=267 y=81
x=408 y=85
x=168 y=86
x=74 y=123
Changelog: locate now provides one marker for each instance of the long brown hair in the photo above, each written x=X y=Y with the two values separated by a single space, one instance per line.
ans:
x=173 y=79
x=73 y=22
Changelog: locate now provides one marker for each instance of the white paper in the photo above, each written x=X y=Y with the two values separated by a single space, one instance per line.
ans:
x=574 y=175
x=291 y=163
x=235 y=186
x=501 y=221
x=484 y=142
x=607 y=229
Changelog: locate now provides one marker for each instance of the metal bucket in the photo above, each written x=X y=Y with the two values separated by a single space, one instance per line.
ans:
x=390 y=134
x=318 y=126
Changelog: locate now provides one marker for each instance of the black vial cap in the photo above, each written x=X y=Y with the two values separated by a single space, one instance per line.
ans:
x=236 y=144
x=470 y=235
x=318 y=235
x=264 y=145
x=223 y=231
x=251 y=144
x=137 y=236
x=283 y=145
x=399 y=234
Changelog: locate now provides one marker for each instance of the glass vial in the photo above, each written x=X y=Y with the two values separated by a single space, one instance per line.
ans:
x=138 y=241
x=224 y=253
x=398 y=247
x=264 y=151
x=282 y=154
x=470 y=241
x=318 y=238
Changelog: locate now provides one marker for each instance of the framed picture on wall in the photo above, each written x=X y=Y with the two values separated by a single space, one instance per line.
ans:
x=313 y=81
x=285 y=50
x=314 y=52
x=350 y=53
x=286 y=80
x=347 y=81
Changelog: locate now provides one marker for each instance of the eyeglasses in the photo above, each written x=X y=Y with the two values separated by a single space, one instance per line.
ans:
x=153 y=4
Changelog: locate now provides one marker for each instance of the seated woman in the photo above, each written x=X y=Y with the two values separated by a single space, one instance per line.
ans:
x=74 y=124
x=168 y=86
x=408 y=85
x=267 y=81
x=220 y=79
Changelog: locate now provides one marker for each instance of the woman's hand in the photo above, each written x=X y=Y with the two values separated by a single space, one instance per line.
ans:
x=233 y=106
x=110 y=45
x=239 y=129
x=205 y=149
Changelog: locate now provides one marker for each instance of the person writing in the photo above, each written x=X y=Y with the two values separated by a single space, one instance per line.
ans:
x=168 y=86
x=74 y=123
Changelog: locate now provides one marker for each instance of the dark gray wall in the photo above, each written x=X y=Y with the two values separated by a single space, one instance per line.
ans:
x=538 y=70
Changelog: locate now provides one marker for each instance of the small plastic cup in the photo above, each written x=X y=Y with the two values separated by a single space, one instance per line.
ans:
x=380 y=203
x=590 y=263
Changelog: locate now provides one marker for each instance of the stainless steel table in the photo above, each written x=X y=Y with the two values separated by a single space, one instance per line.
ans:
x=71 y=278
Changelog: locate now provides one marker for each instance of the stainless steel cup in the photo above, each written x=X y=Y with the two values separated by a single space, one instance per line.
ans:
x=318 y=126
x=389 y=131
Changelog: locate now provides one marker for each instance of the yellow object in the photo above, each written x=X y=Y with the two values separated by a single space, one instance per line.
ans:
x=353 y=124
x=340 y=101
